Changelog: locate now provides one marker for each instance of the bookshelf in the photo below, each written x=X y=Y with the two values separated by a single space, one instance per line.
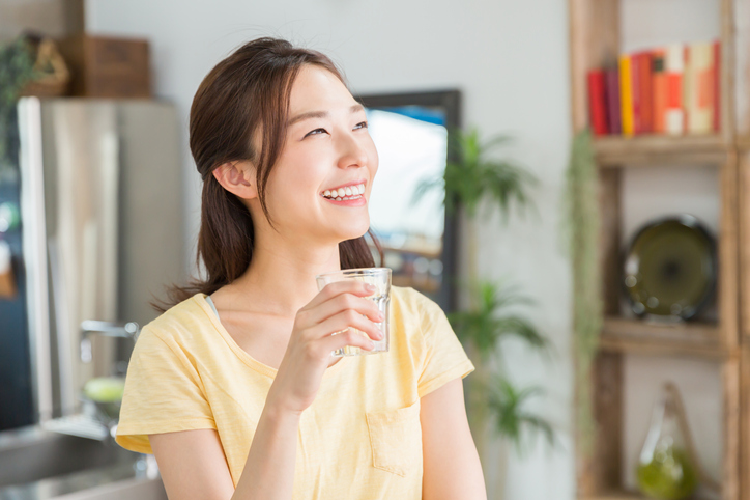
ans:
x=595 y=39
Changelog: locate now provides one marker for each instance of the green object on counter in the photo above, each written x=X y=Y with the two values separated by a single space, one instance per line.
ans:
x=105 y=389
x=669 y=476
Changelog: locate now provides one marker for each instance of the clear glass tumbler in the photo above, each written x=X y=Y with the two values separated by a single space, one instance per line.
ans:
x=381 y=278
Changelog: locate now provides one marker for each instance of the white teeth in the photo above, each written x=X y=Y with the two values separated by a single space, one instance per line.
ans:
x=345 y=193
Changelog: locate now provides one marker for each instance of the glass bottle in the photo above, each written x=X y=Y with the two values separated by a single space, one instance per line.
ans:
x=667 y=466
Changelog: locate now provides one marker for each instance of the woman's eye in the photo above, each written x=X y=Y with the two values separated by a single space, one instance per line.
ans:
x=361 y=125
x=317 y=131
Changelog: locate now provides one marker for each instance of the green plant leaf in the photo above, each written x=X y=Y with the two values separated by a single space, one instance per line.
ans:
x=495 y=318
x=511 y=420
x=583 y=233
x=472 y=178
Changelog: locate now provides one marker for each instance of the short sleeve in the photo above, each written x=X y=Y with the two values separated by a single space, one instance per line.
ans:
x=163 y=393
x=444 y=358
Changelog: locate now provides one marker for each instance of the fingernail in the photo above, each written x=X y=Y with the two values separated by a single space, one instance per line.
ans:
x=369 y=286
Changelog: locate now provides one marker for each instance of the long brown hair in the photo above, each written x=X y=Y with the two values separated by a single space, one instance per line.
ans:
x=247 y=90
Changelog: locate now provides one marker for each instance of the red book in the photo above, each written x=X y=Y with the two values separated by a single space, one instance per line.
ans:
x=717 y=86
x=612 y=89
x=635 y=84
x=659 y=70
x=597 y=101
x=645 y=80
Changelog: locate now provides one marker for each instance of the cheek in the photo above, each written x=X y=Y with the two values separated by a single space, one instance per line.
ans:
x=293 y=183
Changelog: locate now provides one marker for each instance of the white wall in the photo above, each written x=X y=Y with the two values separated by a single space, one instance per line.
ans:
x=509 y=58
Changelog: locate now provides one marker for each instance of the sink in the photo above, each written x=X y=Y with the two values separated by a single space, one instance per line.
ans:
x=37 y=464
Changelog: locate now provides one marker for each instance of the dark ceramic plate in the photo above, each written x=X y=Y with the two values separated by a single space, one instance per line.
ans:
x=670 y=269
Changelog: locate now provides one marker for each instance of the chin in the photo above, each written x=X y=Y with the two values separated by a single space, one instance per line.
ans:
x=353 y=233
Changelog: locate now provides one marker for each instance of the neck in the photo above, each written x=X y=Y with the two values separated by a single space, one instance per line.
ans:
x=281 y=276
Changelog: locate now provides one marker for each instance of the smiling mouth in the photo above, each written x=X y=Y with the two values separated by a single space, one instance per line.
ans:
x=345 y=193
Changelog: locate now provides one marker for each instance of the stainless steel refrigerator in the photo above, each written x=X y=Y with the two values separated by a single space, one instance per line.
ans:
x=90 y=193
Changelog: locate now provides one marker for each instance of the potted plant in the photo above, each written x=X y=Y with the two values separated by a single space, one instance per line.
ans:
x=471 y=181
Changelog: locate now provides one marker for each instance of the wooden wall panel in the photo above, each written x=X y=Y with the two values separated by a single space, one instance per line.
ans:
x=730 y=484
x=594 y=40
x=599 y=469
x=729 y=255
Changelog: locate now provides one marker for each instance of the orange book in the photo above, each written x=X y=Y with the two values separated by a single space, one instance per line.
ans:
x=660 y=90
x=626 y=95
x=646 y=93
x=674 y=118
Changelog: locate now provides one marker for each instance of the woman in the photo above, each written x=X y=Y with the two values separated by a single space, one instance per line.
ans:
x=233 y=388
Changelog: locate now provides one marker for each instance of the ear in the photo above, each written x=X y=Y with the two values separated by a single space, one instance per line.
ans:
x=238 y=178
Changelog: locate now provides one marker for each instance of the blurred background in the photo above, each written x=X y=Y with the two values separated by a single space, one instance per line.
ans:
x=566 y=178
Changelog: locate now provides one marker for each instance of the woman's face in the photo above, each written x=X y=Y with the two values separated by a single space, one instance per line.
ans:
x=328 y=153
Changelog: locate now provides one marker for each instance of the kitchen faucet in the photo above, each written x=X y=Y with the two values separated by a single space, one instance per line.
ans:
x=126 y=330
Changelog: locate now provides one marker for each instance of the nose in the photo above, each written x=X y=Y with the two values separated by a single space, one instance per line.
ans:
x=352 y=152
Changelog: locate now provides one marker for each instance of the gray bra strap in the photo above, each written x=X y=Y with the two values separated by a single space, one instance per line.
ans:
x=211 y=303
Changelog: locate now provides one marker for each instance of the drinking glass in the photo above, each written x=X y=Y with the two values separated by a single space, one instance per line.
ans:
x=380 y=277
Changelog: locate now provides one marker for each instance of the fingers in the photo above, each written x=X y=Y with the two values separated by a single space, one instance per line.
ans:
x=347 y=319
x=332 y=290
x=339 y=307
x=347 y=338
x=344 y=302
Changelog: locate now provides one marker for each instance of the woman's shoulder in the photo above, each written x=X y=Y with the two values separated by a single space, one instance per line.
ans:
x=412 y=303
x=181 y=321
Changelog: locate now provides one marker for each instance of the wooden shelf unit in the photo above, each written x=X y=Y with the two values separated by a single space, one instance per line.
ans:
x=633 y=336
x=639 y=151
x=595 y=34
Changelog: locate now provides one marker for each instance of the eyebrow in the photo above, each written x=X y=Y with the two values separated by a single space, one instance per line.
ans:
x=320 y=114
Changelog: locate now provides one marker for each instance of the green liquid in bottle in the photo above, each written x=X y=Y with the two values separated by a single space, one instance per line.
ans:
x=669 y=476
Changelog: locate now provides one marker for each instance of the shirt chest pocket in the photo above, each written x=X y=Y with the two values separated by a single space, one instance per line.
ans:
x=396 y=439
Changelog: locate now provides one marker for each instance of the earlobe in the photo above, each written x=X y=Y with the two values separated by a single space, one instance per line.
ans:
x=235 y=178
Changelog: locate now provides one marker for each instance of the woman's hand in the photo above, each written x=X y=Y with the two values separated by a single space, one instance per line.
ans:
x=339 y=307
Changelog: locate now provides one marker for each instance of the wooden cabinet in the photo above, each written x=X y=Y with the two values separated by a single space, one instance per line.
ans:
x=595 y=39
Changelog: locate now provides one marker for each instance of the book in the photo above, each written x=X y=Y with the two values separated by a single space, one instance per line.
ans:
x=626 y=95
x=699 y=88
x=612 y=91
x=659 y=71
x=674 y=122
x=597 y=102
x=635 y=92
x=645 y=93
x=717 y=86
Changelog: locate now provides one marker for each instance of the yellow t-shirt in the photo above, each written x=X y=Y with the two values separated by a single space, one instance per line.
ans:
x=360 y=439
